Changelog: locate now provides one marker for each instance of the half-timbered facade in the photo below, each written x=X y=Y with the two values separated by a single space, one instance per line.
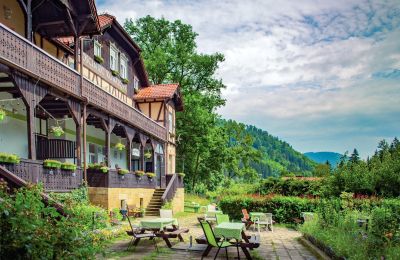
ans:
x=62 y=66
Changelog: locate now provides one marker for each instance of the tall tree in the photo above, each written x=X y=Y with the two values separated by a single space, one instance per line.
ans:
x=170 y=55
x=354 y=157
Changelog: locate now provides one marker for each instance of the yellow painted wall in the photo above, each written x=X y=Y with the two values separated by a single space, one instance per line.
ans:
x=171 y=155
x=155 y=109
x=178 y=202
x=144 y=107
x=12 y=16
x=110 y=198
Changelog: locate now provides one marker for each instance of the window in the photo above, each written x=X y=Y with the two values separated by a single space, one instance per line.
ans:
x=170 y=122
x=92 y=153
x=97 y=49
x=113 y=58
x=135 y=83
x=123 y=68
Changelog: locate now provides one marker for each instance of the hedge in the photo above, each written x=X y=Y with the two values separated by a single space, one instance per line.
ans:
x=284 y=209
x=289 y=187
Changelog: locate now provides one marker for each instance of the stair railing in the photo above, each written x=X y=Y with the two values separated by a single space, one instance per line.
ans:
x=169 y=192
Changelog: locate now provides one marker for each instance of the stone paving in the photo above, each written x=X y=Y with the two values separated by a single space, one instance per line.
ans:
x=280 y=244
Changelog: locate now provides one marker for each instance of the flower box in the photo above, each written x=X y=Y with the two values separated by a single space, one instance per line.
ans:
x=98 y=59
x=150 y=175
x=125 y=81
x=2 y=114
x=52 y=164
x=9 y=158
x=123 y=171
x=139 y=174
x=115 y=73
x=68 y=166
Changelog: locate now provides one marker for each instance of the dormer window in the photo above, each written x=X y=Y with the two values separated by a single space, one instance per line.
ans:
x=113 y=58
x=97 y=49
x=123 y=68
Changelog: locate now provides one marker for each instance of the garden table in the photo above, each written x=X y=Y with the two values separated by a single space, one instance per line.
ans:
x=232 y=231
x=254 y=215
x=159 y=227
x=229 y=230
x=158 y=223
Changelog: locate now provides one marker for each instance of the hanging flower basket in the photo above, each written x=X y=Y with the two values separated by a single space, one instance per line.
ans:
x=52 y=164
x=67 y=166
x=150 y=175
x=119 y=146
x=2 y=114
x=57 y=131
x=147 y=155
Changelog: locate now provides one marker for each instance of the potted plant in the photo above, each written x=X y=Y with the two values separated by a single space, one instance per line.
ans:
x=142 y=212
x=52 y=164
x=115 y=73
x=57 y=131
x=150 y=175
x=147 y=155
x=125 y=81
x=123 y=171
x=98 y=59
x=67 y=166
x=139 y=174
x=9 y=158
x=181 y=174
x=2 y=114
x=120 y=146
x=104 y=169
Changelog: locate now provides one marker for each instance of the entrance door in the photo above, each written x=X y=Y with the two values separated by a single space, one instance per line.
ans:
x=159 y=168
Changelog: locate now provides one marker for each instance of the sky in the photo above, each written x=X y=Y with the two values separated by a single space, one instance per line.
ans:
x=321 y=75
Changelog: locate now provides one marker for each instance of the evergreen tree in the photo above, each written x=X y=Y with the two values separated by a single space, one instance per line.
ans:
x=354 y=157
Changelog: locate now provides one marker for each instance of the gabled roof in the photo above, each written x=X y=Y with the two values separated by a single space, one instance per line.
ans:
x=106 y=20
x=162 y=91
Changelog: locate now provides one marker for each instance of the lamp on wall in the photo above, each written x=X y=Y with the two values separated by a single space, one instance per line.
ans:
x=7 y=12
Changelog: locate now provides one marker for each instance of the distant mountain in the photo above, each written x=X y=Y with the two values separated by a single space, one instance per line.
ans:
x=278 y=155
x=322 y=157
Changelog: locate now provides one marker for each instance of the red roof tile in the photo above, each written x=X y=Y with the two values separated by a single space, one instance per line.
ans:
x=157 y=91
x=105 y=20
x=66 y=40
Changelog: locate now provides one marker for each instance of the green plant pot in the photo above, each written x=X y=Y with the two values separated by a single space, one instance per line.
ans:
x=2 y=116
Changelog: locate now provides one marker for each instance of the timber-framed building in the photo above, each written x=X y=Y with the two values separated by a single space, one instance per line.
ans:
x=63 y=66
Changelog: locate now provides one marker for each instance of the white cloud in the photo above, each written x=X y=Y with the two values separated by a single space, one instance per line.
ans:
x=293 y=65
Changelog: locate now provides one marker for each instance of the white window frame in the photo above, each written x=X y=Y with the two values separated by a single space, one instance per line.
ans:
x=123 y=66
x=97 y=48
x=113 y=50
x=135 y=83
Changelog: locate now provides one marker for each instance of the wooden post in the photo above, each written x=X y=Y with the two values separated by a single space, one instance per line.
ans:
x=129 y=153
x=142 y=157
x=31 y=132
x=76 y=51
x=84 y=143
x=29 y=20
x=108 y=144
x=78 y=138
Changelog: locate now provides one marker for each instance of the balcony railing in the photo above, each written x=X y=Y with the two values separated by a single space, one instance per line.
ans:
x=53 y=180
x=54 y=148
x=24 y=56
x=114 y=180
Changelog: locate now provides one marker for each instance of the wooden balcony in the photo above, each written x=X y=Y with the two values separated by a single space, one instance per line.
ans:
x=53 y=180
x=20 y=54
x=114 y=180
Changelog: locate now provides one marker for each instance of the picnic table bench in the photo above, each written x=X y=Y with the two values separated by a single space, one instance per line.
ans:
x=191 y=206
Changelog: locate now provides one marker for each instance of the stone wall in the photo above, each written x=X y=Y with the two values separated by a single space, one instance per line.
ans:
x=110 y=198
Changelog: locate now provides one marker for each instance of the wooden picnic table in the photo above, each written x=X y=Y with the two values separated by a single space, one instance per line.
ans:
x=232 y=231
x=159 y=227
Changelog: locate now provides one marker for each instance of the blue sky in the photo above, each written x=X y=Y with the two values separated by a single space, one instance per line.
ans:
x=321 y=75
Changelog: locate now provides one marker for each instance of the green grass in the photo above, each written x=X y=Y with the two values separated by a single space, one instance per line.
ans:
x=155 y=255
x=196 y=198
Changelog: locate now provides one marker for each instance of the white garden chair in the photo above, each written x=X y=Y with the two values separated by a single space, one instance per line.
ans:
x=264 y=220
x=210 y=214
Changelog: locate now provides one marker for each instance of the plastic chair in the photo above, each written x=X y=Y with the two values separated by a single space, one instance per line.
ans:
x=165 y=213
x=212 y=240
x=222 y=218
x=265 y=219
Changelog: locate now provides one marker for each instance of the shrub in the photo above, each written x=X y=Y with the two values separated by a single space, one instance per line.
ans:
x=284 y=209
x=31 y=230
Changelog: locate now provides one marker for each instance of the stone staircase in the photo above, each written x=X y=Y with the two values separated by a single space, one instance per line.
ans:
x=153 y=209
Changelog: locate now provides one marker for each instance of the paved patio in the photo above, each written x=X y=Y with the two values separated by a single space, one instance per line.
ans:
x=281 y=244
